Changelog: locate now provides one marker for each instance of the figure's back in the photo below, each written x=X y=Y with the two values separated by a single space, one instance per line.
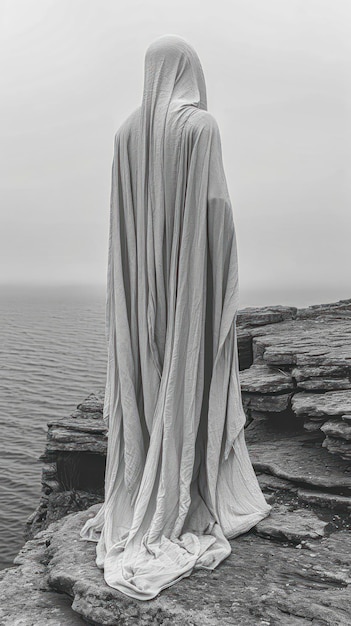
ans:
x=182 y=168
x=178 y=481
x=189 y=133
x=185 y=127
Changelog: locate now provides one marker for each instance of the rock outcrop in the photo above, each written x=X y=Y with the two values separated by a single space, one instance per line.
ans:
x=300 y=369
x=294 y=567
x=302 y=578
x=74 y=464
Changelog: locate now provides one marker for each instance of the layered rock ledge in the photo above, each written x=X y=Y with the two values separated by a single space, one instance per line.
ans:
x=294 y=567
x=297 y=365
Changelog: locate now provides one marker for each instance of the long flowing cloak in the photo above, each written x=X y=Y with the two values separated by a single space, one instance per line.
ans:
x=179 y=481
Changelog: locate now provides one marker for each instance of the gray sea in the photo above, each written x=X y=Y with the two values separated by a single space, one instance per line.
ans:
x=52 y=356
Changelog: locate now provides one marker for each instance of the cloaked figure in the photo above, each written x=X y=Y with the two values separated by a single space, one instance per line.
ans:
x=179 y=481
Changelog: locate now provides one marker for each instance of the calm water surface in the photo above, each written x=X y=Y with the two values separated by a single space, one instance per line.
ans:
x=53 y=355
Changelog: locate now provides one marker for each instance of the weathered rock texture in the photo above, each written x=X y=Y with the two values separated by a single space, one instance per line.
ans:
x=300 y=368
x=294 y=567
x=74 y=464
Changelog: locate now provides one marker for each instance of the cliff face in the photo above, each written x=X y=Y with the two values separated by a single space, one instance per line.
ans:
x=73 y=464
x=301 y=370
x=294 y=566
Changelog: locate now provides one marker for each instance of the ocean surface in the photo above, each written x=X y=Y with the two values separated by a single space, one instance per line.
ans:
x=52 y=356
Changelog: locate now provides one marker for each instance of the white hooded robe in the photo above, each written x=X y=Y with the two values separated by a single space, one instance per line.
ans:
x=179 y=481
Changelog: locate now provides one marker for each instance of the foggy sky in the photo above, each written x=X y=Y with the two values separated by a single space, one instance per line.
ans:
x=278 y=83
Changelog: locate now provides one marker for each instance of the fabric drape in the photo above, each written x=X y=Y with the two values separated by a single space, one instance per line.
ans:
x=179 y=481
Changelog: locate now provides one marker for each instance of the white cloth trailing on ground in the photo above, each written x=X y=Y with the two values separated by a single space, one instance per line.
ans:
x=179 y=481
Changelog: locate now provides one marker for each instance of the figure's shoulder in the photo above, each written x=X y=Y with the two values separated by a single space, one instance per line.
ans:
x=202 y=121
x=128 y=126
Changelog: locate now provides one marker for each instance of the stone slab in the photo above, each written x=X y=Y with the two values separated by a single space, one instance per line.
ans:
x=296 y=456
x=261 y=582
x=305 y=342
x=294 y=525
x=85 y=425
x=337 y=428
x=325 y=404
x=261 y=378
x=93 y=403
x=339 y=447
x=266 y=402
x=26 y=598
x=325 y=500
x=304 y=373
x=259 y=316
x=75 y=441
x=268 y=482
x=324 y=384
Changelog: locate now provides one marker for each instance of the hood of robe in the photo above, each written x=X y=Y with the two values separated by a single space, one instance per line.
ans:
x=174 y=89
x=174 y=86
x=173 y=75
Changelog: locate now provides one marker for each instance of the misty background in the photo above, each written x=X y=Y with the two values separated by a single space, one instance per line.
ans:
x=278 y=83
